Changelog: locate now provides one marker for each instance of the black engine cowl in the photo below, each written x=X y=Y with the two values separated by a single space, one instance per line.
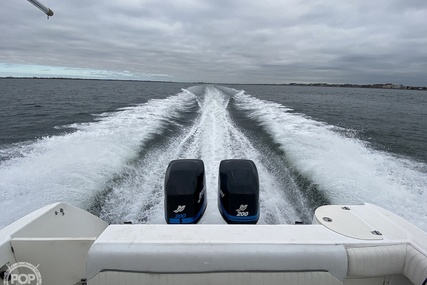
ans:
x=185 y=191
x=238 y=191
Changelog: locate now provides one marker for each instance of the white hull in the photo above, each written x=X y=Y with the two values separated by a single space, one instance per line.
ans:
x=351 y=245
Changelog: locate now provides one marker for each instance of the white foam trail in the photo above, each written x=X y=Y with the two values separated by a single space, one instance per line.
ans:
x=74 y=167
x=139 y=197
x=345 y=168
x=214 y=137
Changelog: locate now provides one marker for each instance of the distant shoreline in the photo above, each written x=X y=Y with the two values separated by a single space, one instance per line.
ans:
x=345 y=85
x=349 y=85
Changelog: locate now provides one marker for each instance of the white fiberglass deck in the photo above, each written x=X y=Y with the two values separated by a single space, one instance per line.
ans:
x=350 y=245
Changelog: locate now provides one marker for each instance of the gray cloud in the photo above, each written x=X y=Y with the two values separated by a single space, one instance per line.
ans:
x=224 y=41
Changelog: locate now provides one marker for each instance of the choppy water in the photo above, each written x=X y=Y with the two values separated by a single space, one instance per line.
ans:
x=105 y=146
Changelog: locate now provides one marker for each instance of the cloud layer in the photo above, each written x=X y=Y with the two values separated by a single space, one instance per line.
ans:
x=232 y=41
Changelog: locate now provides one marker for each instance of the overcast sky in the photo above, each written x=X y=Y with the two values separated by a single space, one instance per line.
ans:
x=228 y=41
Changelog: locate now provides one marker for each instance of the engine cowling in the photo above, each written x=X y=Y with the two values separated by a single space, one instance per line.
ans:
x=238 y=191
x=185 y=191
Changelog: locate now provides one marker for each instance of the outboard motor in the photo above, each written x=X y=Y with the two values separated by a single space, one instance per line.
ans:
x=238 y=191
x=185 y=191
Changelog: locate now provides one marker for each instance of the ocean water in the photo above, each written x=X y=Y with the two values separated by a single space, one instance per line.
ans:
x=105 y=145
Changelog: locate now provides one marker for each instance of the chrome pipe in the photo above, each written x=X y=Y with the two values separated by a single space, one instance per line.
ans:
x=39 y=5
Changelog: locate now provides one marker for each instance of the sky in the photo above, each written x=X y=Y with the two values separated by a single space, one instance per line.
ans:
x=221 y=41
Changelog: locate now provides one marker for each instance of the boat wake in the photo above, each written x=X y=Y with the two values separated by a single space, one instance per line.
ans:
x=115 y=165
x=345 y=169
x=212 y=137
